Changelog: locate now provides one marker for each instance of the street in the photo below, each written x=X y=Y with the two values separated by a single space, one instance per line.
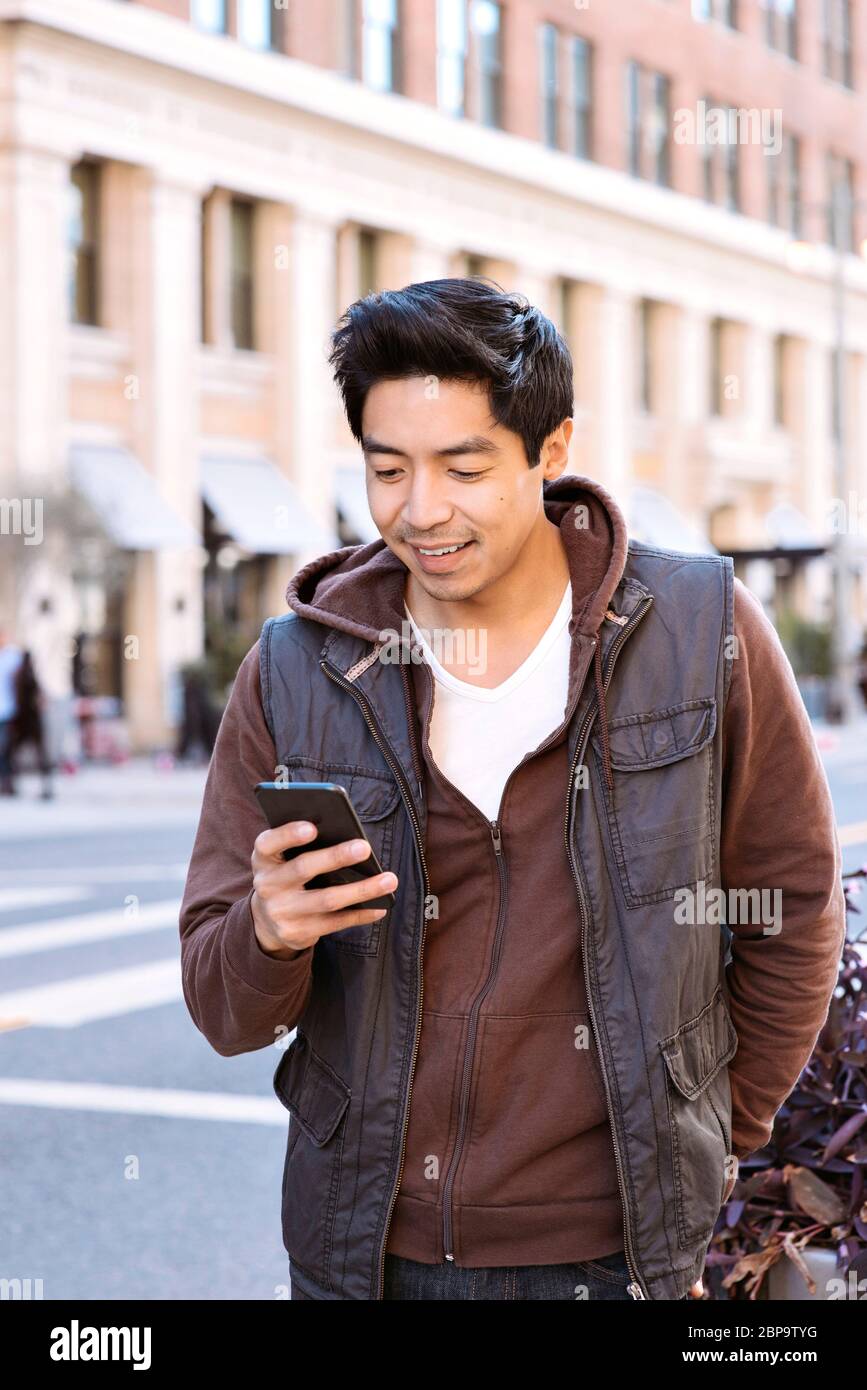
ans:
x=137 y=1162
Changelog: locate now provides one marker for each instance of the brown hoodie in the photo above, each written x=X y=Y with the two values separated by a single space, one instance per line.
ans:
x=508 y=1120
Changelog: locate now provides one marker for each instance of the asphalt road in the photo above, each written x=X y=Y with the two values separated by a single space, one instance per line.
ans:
x=136 y=1162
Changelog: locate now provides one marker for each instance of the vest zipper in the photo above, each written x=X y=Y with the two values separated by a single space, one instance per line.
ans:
x=466 y=1076
x=363 y=703
x=635 y=1287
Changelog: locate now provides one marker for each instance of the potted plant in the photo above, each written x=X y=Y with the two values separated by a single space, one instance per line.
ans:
x=795 y=1223
x=808 y=647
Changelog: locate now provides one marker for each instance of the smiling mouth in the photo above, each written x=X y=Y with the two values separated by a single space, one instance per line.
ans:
x=442 y=550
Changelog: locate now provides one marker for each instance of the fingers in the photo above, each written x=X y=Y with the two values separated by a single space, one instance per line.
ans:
x=295 y=872
x=270 y=844
x=343 y=895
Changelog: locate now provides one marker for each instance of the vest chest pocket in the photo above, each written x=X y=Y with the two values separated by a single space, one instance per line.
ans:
x=317 y=1100
x=698 y=1091
x=375 y=797
x=661 y=812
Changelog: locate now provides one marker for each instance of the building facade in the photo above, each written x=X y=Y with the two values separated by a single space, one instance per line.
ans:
x=191 y=191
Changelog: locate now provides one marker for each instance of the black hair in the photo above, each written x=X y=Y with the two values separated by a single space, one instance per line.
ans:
x=462 y=329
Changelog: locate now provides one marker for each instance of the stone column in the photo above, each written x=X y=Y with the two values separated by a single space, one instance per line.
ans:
x=306 y=396
x=34 y=212
x=609 y=324
x=164 y=605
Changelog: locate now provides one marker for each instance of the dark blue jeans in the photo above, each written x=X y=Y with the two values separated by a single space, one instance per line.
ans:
x=585 y=1281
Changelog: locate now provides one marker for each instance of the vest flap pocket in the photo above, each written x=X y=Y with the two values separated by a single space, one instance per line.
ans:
x=372 y=794
x=695 y=1053
x=310 y=1090
x=660 y=736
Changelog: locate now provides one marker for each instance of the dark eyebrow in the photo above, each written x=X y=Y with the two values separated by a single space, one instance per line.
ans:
x=473 y=444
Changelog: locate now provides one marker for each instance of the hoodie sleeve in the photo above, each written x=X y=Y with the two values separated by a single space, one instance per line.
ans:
x=778 y=833
x=240 y=996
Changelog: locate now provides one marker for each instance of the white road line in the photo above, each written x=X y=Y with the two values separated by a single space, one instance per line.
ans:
x=89 y=926
x=11 y=898
x=69 y=1003
x=95 y=873
x=853 y=834
x=143 y=1100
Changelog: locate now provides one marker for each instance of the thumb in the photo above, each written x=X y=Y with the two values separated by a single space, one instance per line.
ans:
x=697 y=1290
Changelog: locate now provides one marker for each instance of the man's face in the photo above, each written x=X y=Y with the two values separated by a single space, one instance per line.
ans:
x=440 y=471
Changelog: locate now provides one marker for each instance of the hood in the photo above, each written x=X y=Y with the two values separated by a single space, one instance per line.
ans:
x=359 y=589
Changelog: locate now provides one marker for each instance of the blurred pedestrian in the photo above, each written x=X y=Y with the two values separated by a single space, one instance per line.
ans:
x=10 y=660
x=862 y=669
x=28 y=725
x=200 y=720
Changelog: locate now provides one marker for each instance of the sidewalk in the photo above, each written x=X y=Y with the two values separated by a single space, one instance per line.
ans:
x=840 y=742
x=136 y=793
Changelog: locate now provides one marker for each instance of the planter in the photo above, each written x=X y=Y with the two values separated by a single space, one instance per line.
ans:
x=785 y=1283
x=814 y=693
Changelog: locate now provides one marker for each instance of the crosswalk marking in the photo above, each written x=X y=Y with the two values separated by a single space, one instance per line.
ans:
x=12 y=898
x=85 y=998
x=88 y=926
x=853 y=834
x=95 y=873
x=144 y=1100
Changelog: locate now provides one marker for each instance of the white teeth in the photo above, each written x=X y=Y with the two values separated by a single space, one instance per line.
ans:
x=447 y=550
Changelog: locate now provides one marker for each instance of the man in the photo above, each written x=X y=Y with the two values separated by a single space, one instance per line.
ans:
x=532 y=1077
x=10 y=660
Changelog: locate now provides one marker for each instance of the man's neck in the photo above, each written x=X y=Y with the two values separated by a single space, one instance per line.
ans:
x=514 y=612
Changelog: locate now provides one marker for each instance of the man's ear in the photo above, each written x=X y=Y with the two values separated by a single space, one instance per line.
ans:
x=555 y=449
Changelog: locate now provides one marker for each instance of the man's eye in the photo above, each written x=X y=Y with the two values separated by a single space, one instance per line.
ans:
x=466 y=475
x=385 y=472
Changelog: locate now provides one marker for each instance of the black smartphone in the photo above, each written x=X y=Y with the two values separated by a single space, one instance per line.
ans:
x=328 y=806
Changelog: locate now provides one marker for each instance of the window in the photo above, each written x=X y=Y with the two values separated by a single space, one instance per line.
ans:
x=366 y=262
x=381 y=45
x=582 y=97
x=780 y=345
x=241 y=308
x=784 y=185
x=721 y=155
x=836 y=365
x=256 y=26
x=633 y=118
x=83 y=233
x=840 y=174
x=731 y=175
x=644 y=356
x=781 y=26
x=486 y=22
x=451 y=56
x=836 y=17
x=548 y=84
x=724 y=11
x=647 y=123
x=715 y=365
x=209 y=15
x=204 y=272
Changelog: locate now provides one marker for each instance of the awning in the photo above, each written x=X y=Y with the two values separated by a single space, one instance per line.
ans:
x=351 y=496
x=126 y=499
x=656 y=521
x=785 y=533
x=259 y=508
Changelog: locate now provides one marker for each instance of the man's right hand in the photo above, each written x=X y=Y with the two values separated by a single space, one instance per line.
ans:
x=289 y=917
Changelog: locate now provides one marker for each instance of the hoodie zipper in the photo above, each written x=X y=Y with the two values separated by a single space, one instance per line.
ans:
x=469 y=1050
x=635 y=1287
x=363 y=703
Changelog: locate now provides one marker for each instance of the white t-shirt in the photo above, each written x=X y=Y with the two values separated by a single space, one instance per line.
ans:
x=477 y=736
